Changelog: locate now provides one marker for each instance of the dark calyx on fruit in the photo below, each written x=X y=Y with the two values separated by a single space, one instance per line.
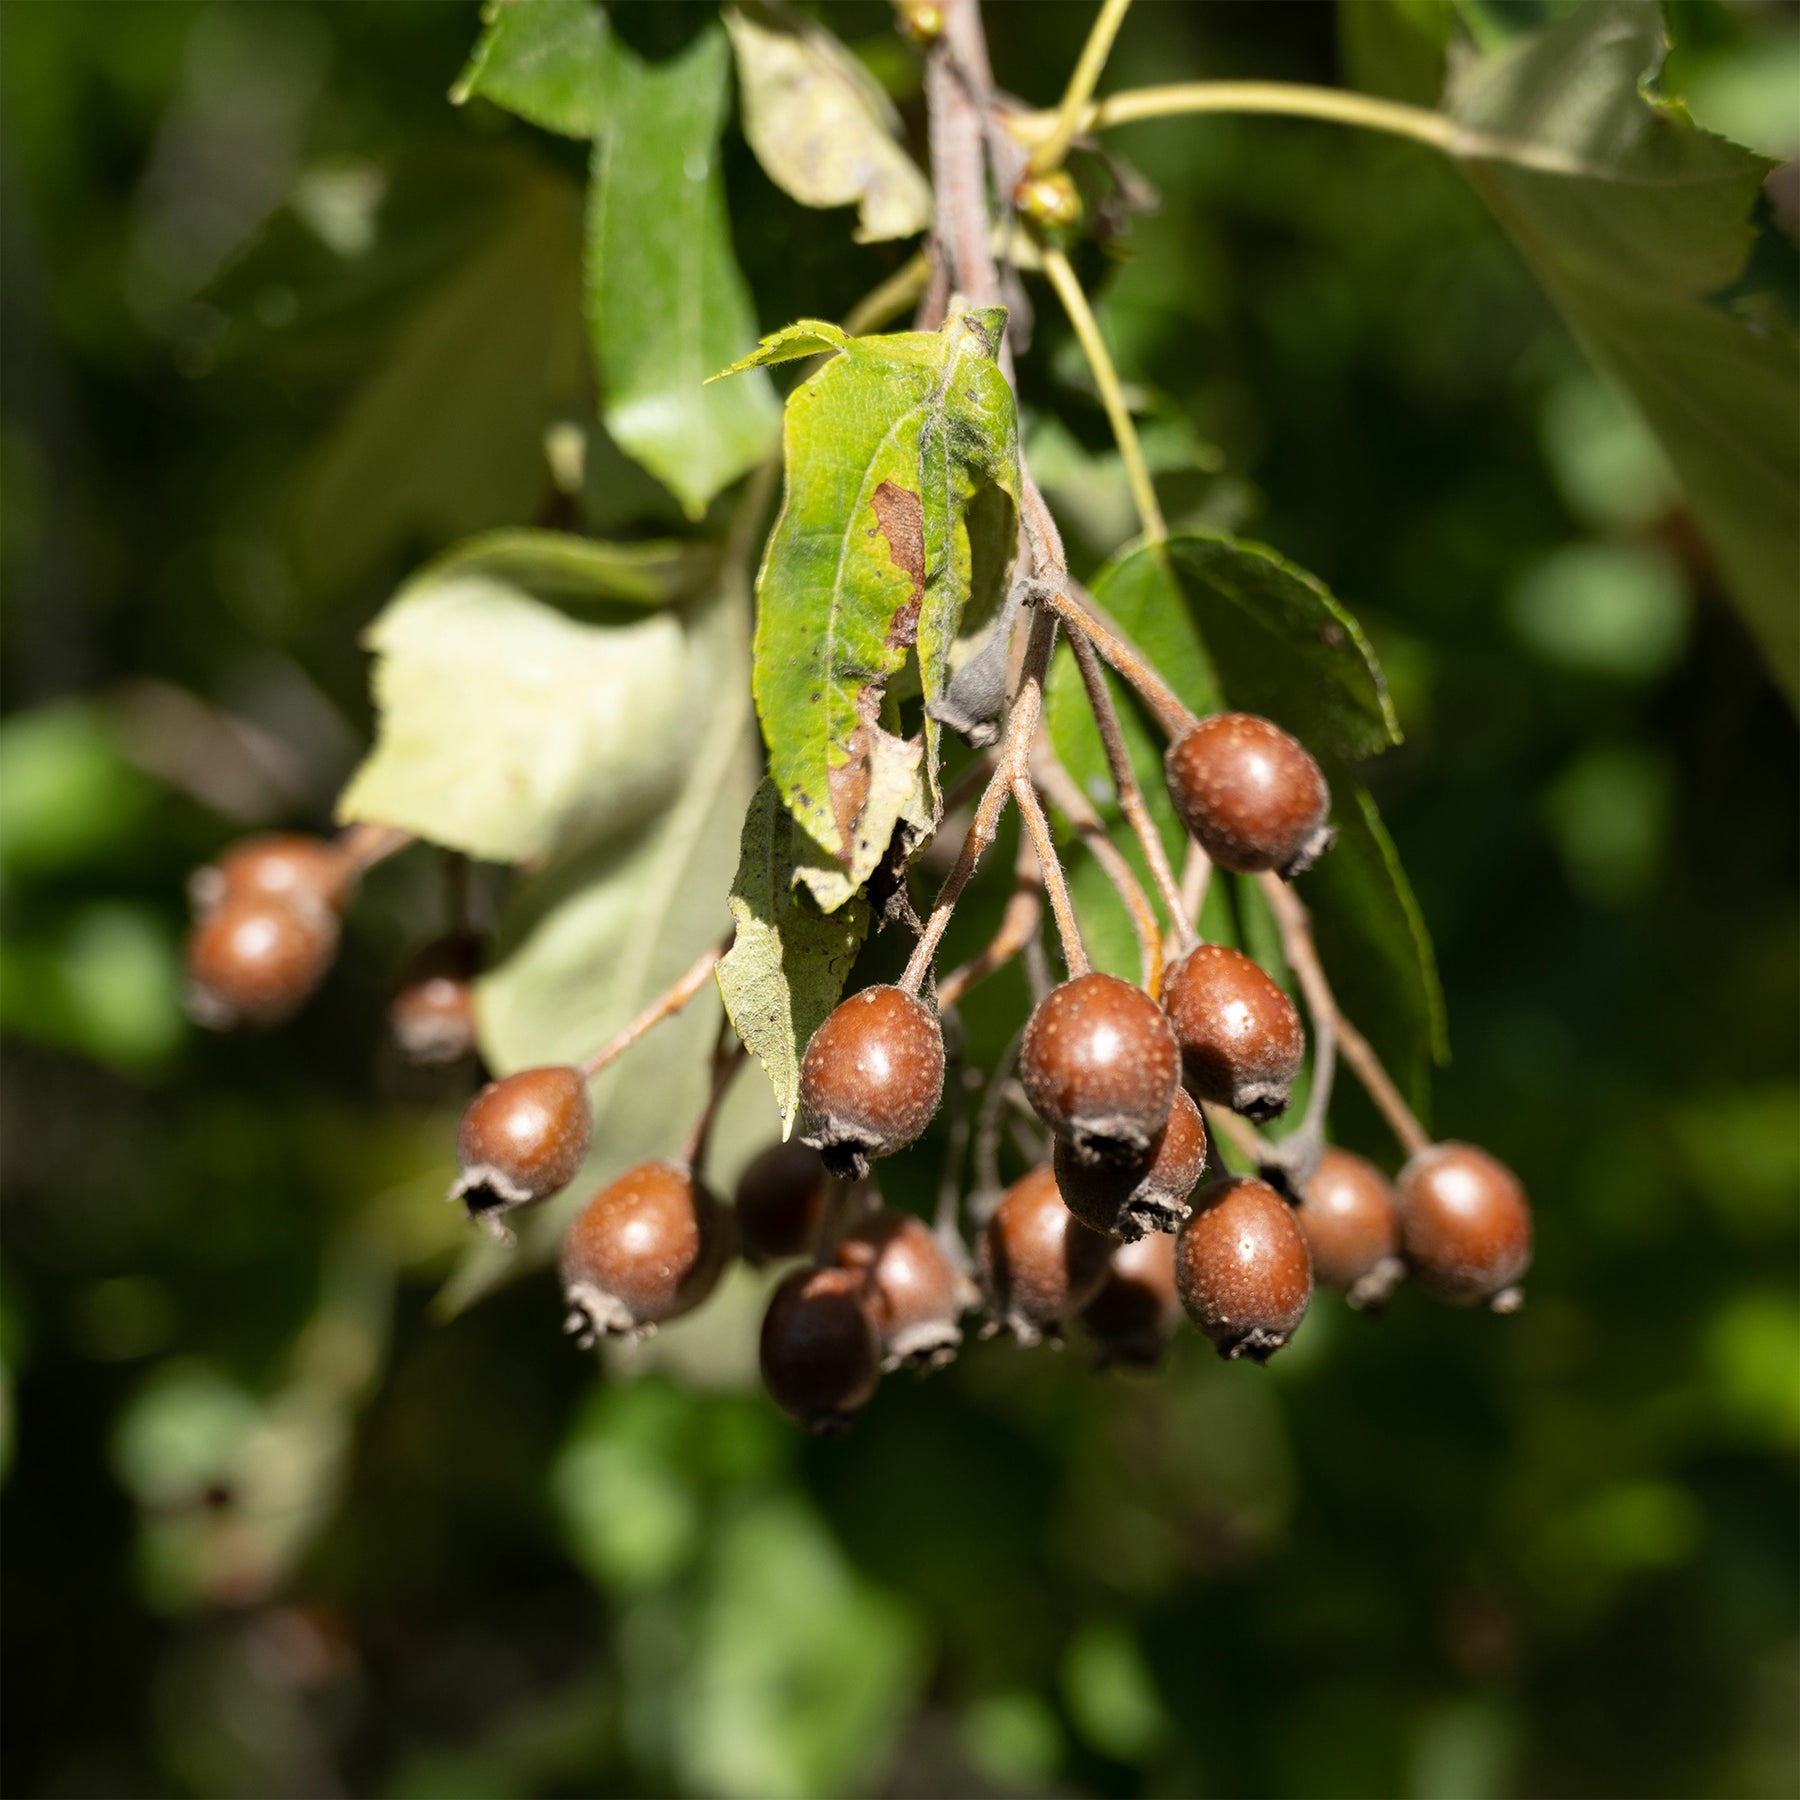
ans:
x=257 y=958
x=781 y=1201
x=1125 y=1200
x=1241 y=1038
x=820 y=1356
x=1465 y=1225
x=1137 y=1309
x=1039 y=1264
x=647 y=1248
x=871 y=1078
x=914 y=1289
x=521 y=1140
x=1243 y=1269
x=1100 y=1066
x=1252 y=796
x=1352 y=1229
x=432 y=1013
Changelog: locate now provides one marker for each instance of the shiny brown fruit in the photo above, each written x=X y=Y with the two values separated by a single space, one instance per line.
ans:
x=781 y=1201
x=1251 y=795
x=1352 y=1229
x=1100 y=1066
x=1465 y=1225
x=871 y=1078
x=281 y=865
x=821 y=1359
x=1137 y=1309
x=914 y=1289
x=432 y=1012
x=1243 y=1269
x=256 y=959
x=647 y=1248
x=1039 y=1264
x=1240 y=1036
x=1125 y=1200
x=521 y=1140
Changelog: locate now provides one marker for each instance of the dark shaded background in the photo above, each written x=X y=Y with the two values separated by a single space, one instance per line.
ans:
x=271 y=1528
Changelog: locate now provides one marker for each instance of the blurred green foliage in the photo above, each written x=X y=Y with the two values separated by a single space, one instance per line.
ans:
x=278 y=324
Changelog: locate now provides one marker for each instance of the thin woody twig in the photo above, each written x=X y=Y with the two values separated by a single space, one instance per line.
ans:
x=1298 y=1153
x=671 y=1000
x=1196 y=873
x=1174 y=717
x=1031 y=811
x=1018 y=926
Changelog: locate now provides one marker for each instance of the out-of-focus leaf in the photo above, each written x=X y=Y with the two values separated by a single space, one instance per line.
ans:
x=886 y=542
x=787 y=965
x=67 y=794
x=579 y=573
x=1649 y=217
x=666 y=302
x=1607 y=609
x=511 y=731
x=820 y=125
x=549 y=61
x=1395 y=48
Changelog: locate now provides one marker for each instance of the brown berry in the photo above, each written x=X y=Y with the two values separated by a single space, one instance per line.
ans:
x=1251 y=795
x=1465 y=1225
x=1125 y=1200
x=820 y=1356
x=914 y=1289
x=521 y=1140
x=281 y=865
x=1137 y=1309
x=1099 y=1064
x=1352 y=1229
x=781 y=1201
x=1039 y=1264
x=1243 y=1269
x=432 y=1012
x=1240 y=1036
x=871 y=1078
x=257 y=959
x=647 y=1248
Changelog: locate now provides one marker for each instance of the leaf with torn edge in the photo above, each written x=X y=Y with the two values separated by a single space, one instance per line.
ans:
x=787 y=965
x=821 y=126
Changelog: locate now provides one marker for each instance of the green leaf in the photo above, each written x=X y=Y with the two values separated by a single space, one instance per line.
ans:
x=820 y=125
x=549 y=61
x=579 y=572
x=786 y=968
x=666 y=302
x=1651 y=217
x=1395 y=48
x=895 y=533
x=511 y=731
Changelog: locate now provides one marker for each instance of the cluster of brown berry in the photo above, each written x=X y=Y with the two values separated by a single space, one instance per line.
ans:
x=1130 y=1223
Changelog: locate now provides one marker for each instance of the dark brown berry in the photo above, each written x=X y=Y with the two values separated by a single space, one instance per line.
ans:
x=1137 y=1309
x=1243 y=1269
x=432 y=1013
x=781 y=1201
x=257 y=959
x=1465 y=1225
x=1251 y=795
x=871 y=1078
x=915 y=1290
x=1352 y=1229
x=820 y=1356
x=647 y=1248
x=1039 y=1264
x=281 y=865
x=521 y=1140
x=1241 y=1039
x=1125 y=1200
x=1099 y=1064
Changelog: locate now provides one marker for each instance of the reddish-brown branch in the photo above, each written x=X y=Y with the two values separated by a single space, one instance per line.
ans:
x=1164 y=703
x=1031 y=811
x=1018 y=926
x=671 y=1000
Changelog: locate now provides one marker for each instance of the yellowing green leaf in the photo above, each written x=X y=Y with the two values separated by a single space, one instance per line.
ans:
x=549 y=61
x=577 y=572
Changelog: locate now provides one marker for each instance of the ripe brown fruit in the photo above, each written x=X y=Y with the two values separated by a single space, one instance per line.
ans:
x=1039 y=1264
x=781 y=1201
x=820 y=1356
x=432 y=1012
x=1243 y=1269
x=871 y=1078
x=1251 y=795
x=1125 y=1200
x=1100 y=1066
x=647 y=1248
x=1465 y=1225
x=1240 y=1036
x=257 y=959
x=521 y=1140
x=1352 y=1229
x=913 y=1287
x=1137 y=1309
x=280 y=865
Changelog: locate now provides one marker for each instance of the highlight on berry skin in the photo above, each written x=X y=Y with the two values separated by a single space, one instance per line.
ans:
x=521 y=1140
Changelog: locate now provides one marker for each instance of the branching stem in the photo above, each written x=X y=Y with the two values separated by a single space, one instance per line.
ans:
x=1018 y=926
x=1066 y=122
x=364 y=845
x=1031 y=811
x=1164 y=703
x=670 y=1001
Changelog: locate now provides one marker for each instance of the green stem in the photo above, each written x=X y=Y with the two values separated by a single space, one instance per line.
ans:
x=1067 y=123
